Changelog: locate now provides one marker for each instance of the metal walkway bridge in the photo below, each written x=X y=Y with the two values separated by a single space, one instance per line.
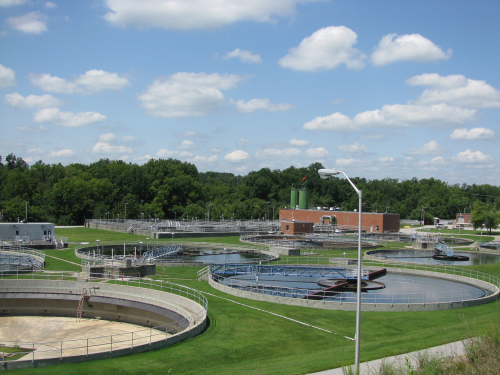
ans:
x=449 y=251
x=160 y=252
x=18 y=256
x=227 y=270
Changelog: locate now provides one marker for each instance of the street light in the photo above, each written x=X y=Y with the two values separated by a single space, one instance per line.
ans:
x=423 y=215
x=326 y=174
x=125 y=216
x=209 y=212
x=147 y=243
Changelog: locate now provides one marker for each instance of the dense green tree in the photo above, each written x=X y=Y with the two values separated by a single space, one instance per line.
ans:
x=485 y=214
x=174 y=189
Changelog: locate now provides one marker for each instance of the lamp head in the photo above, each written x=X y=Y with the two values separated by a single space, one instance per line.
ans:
x=327 y=173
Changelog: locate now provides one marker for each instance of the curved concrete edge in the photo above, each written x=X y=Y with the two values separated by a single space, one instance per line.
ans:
x=182 y=305
x=179 y=304
x=351 y=306
x=171 y=340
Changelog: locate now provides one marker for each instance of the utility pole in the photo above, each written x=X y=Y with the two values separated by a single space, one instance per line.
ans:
x=26 y=215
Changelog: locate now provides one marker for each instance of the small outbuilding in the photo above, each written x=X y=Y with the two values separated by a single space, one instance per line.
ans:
x=296 y=227
x=26 y=232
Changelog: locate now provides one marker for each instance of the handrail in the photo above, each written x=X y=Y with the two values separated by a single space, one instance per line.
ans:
x=37 y=257
x=163 y=331
x=437 y=268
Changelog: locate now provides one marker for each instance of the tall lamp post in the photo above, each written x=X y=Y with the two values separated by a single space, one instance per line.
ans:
x=326 y=174
x=125 y=216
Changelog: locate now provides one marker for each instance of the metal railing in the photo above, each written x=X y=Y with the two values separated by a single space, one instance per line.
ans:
x=21 y=256
x=119 y=259
x=110 y=343
x=346 y=297
x=351 y=297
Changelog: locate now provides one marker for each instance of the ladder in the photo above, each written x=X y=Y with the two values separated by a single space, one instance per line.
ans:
x=82 y=298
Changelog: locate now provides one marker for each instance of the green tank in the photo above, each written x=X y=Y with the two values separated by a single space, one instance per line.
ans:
x=303 y=199
x=294 y=198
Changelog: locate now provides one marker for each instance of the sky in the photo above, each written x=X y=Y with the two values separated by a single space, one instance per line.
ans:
x=377 y=89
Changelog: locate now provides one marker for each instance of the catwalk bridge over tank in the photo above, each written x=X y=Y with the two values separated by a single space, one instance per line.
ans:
x=227 y=270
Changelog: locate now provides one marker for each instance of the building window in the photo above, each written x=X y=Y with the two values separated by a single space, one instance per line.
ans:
x=287 y=228
x=17 y=233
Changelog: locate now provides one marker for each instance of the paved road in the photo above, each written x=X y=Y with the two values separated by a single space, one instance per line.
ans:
x=367 y=368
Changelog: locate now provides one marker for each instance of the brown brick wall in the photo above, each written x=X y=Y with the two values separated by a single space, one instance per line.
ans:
x=370 y=220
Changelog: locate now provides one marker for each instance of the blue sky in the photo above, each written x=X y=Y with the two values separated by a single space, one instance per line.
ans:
x=378 y=89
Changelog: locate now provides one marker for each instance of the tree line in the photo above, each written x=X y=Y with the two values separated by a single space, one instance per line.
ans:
x=172 y=189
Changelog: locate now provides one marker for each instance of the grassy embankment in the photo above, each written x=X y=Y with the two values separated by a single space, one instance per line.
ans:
x=241 y=340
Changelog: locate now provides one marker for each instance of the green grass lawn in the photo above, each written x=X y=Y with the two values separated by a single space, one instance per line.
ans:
x=241 y=340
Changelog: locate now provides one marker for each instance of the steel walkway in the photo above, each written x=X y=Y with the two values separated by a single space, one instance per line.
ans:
x=227 y=270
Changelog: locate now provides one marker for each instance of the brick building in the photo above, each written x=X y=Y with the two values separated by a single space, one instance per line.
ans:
x=372 y=221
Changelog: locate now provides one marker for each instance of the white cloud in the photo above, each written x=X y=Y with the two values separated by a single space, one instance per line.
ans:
x=245 y=56
x=128 y=138
x=187 y=94
x=62 y=153
x=98 y=80
x=186 y=145
x=338 y=101
x=9 y=3
x=28 y=129
x=106 y=148
x=31 y=23
x=7 y=77
x=68 y=119
x=195 y=14
x=165 y=153
x=411 y=47
x=475 y=133
x=216 y=150
x=256 y=104
x=299 y=142
x=48 y=83
x=469 y=157
x=274 y=153
x=455 y=90
x=430 y=148
x=204 y=160
x=350 y=162
x=106 y=137
x=325 y=49
x=241 y=169
x=35 y=151
x=50 y=5
x=32 y=101
x=91 y=82
x=336 y=121
x=317 y=153
x=386 y=159
x=355 y=148
x=394 y=116
x=236 y=156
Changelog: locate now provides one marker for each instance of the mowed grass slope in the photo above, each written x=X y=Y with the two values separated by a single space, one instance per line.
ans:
x=242 y=340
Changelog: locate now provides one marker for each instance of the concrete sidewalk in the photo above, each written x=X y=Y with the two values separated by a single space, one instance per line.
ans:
x=366 y=368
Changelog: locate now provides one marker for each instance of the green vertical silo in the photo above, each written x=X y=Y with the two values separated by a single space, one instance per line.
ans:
x=294 y=198
x=303 y=198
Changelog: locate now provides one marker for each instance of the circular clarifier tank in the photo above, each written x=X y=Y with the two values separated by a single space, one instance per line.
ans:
x=429 y=256
x=189 y=253
x=336 y=287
